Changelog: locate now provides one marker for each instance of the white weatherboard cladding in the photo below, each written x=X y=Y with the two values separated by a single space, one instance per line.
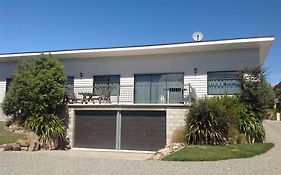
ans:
x=128 y=66
x=185 y=63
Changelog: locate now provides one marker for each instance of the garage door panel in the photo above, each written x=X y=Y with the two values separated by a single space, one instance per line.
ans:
x=95 y=129
x=143 y=130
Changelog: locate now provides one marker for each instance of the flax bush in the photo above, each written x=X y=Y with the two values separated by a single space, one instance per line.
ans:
x=206 y=123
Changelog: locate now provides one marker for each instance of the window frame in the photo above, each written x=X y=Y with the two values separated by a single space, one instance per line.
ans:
x=150 y=82
x=240 y=79
x=108 y=85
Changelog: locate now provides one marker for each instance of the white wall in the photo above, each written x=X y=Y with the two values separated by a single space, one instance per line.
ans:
x=126 y=67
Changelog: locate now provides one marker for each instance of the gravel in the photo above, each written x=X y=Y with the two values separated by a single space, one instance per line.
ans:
x=75 y=162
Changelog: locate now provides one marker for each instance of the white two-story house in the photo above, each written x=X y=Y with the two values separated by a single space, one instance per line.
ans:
x=146 y=90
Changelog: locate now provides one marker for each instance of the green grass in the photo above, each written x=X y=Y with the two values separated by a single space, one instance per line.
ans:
x=7 y=136
x=212 y=153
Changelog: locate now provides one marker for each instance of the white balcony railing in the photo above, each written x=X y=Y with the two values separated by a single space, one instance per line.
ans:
x=135 y=94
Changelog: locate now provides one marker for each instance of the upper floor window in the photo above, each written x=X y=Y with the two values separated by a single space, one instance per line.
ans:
x=158 y=88
x=8 y=83
x=226 y=82
x=111 y=82
x=70 y=85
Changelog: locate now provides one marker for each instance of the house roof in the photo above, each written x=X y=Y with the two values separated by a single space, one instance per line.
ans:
x=261 y=43
x=277 y=86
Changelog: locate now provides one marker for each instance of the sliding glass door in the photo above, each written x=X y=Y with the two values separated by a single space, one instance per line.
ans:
x=158 y=88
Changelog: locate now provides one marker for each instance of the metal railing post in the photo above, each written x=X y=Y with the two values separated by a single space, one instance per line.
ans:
x=118 y=94
x=189 y=93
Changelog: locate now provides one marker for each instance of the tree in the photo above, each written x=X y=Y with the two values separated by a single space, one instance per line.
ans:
x=256 y=93
x=36 y=94
x=277 y=90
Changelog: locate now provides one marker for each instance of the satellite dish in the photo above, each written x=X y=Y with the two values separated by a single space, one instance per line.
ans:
x=197 y=36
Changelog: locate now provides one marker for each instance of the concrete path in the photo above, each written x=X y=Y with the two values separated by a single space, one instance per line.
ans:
x=77 y=162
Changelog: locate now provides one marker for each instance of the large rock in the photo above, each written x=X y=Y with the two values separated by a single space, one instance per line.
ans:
x=34 y=146
x=31 y=136
x=16 y=148
x=53 y=143
x=170 y=148
x=7 y=147
x=24 y=148
x=33 y=140
x=13 y=127
x=23 y=143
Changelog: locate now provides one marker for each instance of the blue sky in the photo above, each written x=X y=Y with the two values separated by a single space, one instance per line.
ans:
x=34 y=25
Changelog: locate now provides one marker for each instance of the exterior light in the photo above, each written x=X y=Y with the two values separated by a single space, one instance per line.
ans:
x=81 y=75
x=195 y=70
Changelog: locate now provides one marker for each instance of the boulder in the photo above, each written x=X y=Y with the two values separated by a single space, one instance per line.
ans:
x=24 y=148
x=23 y=143
x=16 y=148
x=13 y=127
x=67 y=146
x=169 y=148
x=157 y=157
x=33 y=140
x=32 y=137
x=8 y=147
x=34 y=146
x=165 y=151
x=53 y=143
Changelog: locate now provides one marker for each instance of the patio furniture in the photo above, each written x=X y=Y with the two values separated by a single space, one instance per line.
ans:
x=105 y=96
x=87 y=97
x=178 y=90
x=70 y=98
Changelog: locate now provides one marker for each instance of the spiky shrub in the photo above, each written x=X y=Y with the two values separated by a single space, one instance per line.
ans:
x=47 y=126
x=206 y=123
x=234 y=109
x=252 y=128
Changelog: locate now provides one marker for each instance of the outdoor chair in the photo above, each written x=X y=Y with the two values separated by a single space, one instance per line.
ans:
x=105 y=96
x=70 y=98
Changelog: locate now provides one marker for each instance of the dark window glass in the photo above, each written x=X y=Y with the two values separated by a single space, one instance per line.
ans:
x=159 y=88
x=8 y=83
x=224 y=83
x=69 y=85
x=111 y=82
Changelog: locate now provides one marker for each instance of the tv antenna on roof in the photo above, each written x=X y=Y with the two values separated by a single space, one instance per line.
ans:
x=197 y=36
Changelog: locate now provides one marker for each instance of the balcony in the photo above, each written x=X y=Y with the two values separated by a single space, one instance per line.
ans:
x=134 y=94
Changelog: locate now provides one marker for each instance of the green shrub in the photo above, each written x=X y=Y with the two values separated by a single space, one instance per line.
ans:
x=46 y=126
x=256 y=93
x=252 y=128
x=222 y=119
x=36 y=95
x=207 y=123
x=235 y=136
x=234 y=110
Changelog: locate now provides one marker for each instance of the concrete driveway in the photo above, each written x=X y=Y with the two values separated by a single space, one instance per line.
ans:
x=85 y=162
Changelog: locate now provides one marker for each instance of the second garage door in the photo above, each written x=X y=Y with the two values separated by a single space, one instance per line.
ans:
x=143 y=130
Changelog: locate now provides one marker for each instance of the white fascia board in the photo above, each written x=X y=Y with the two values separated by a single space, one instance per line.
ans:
x=263 y=43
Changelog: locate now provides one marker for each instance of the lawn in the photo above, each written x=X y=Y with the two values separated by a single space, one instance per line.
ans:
x=212 y=153
x=7 y=136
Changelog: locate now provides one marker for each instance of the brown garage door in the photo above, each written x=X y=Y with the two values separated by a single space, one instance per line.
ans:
x=95 y=129
x=143 y=130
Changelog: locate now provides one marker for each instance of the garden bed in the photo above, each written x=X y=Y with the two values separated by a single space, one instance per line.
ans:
x=213 y=153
